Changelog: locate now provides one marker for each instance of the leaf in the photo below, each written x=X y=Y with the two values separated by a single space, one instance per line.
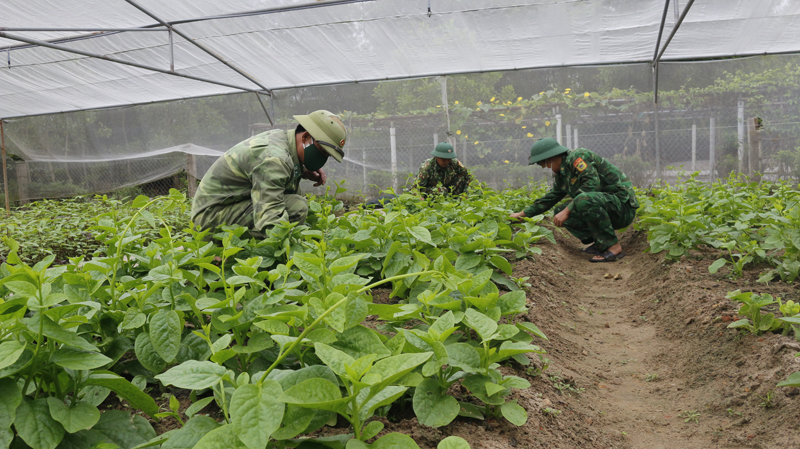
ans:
x=345 y=264
x=197 y=406
x=714 y=267
x=532 y=328
x=128 y=391
x=316 y=394
x=453 y=442
x=433 y=406
x=334 y=358
x=296 y=419
x=421 y=234
x=392 y=368
x=188 y=436
x=464 y=356
x=193 y=375
x=124 y=429
x=394 y=440
x=35 y=425
x=12 y=396
x=165 y=334
x=147 y=355
x=371 y=430
x=256 y=413
x=79 y=360
x=483 y=325
x=360 y=341
x=501 y=263
x=792 y=381
x=78 y=416
x=55 y=332
x=514 y=413
x=10 y=352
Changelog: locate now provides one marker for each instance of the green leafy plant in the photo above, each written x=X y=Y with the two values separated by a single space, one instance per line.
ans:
x=755 y=321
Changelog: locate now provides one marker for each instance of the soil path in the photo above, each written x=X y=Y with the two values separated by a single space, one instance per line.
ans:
x=623 y=351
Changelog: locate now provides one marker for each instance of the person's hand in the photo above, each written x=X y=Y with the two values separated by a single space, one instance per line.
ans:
x=516 y=216
x=561 y=217
x=318 y=176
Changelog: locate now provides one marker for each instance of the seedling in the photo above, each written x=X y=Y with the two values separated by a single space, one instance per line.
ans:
x=551 y=411
x=651 y=377
x=690 y=415
x=767 y=401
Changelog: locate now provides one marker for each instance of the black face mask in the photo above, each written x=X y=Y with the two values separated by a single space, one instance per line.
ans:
x=314 y=158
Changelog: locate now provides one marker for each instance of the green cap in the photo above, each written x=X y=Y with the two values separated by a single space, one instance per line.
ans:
x=544 y=149
x=444 y=150
x=327 y=129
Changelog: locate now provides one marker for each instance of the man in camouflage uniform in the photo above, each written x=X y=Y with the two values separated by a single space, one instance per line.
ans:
x=256 y=184
x=602 y=197
x=443 y=168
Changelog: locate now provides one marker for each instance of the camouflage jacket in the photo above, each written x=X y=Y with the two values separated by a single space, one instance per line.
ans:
x=261 y=169
x=584 y=171
x=455 y=178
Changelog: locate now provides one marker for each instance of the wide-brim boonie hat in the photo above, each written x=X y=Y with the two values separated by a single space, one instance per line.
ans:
x=545 y=148
x=327 y=129
x=444 y=150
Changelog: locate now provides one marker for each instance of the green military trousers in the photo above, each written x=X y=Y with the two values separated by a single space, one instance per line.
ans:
x=241 y=214
x=594 y=217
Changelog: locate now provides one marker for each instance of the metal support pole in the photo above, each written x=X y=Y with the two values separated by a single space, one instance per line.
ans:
x=558 y=128
x=712 y=137
x=655 y=52
x=393 y=144
x=655 y=116
x=575 y=138
x=120 y=61
x=569 y=137
x=446 y=106
x=740 y=134
x=191 y=173
x=5 y=171
x=364 y=167
x=171 y=52
x=200 y=46
x=694 y=147
x=674 y=30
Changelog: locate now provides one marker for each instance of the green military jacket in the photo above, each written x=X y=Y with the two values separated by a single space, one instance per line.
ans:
x=454 y=178
x=261 y=169
x=584 y=171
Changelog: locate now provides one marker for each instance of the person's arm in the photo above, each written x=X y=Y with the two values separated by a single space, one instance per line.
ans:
x=546 y=202
x=269 y=183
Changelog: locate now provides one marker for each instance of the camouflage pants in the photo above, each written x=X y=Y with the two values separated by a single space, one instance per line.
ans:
x=242 y=214
x=595 y=216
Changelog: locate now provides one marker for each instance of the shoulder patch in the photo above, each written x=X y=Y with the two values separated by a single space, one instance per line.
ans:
x=579 y=164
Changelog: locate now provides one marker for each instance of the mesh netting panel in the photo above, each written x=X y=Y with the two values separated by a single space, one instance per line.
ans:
x=715 y=118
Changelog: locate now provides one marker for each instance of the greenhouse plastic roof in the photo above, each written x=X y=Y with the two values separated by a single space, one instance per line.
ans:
x=356 y=41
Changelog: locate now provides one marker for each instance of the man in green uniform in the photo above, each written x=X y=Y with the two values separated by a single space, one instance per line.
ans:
x=256 y=184
x=443 y=168
x=602 y=197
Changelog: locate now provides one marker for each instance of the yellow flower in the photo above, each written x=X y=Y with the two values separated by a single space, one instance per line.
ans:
x=547 y=123
x=530 y=135
x=586 y=94
x=438 y=106
x=456 y=101
x=492 y=99
x=519 y=99
x=502 y=115
x=479 y=103
x=541 y=93
x=506 y=162
x=524 y=127
x=568 y=89
x=458 y=132
x=476 y=142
